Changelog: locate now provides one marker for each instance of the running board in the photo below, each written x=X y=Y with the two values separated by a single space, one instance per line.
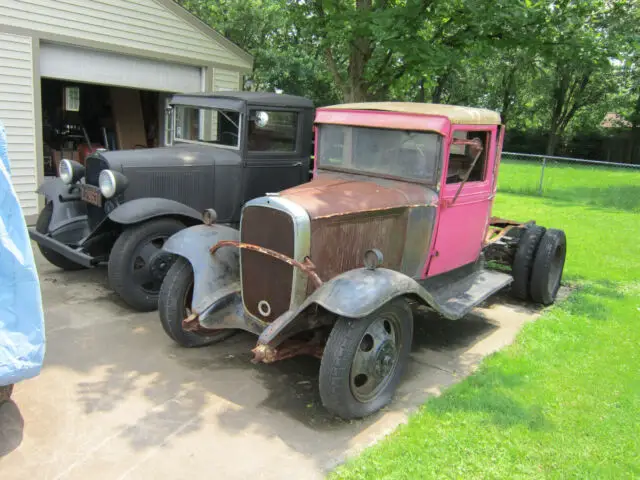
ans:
x=456 y=299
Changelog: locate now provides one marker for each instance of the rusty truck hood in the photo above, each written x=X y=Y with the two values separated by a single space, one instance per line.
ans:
x=331 y=194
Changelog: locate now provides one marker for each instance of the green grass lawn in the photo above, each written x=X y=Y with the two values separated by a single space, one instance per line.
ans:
x=564 y=400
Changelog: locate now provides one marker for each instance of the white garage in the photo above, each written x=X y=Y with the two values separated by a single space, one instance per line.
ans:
x=122 y=57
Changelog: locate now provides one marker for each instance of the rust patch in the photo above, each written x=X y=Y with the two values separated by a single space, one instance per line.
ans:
x=334 y=194
x=265 y=278
x=288 y=349
x=338 y=243
x=498 y=228
x=307 y=267
x=192 y=324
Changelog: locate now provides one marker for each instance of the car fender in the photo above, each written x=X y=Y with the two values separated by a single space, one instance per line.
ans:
x=65 y=212
x=353 y=294
x=142 y=209
x=212 y=274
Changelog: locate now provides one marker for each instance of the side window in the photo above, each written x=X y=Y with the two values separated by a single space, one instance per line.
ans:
x=272 y=131
x=461 y=158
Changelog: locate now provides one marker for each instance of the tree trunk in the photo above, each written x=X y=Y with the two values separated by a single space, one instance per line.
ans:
x=508 y=93
x=438 y=90
x=552 y=143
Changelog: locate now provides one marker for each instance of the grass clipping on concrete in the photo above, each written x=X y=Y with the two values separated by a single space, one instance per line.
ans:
x=564 y=400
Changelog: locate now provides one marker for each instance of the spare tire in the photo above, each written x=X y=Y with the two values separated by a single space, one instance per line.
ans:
x=548 y=267
x=523 y=261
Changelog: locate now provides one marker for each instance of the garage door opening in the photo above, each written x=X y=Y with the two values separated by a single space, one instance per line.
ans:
x=80 y=118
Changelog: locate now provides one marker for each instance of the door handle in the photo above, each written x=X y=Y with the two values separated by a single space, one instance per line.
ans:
x=297 y=164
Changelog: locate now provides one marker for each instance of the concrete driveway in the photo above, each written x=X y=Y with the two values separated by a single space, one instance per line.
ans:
x=117 y=399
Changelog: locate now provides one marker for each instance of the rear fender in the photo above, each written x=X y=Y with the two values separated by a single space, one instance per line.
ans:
x=214 y=276
x=64 y=213
x=142 y=209
x=353 y=294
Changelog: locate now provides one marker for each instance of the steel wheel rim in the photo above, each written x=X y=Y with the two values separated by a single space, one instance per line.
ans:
x=142 y=263
x=376 y=358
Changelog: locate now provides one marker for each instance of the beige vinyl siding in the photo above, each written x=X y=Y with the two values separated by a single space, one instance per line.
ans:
x=17 y=115
x=137 y=24
x=226 y=80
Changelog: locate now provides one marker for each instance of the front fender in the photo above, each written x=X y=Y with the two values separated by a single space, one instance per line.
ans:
x=52 y=188
x=353 y=294
x=142 y=209
x=64 y=213
x=212 y=274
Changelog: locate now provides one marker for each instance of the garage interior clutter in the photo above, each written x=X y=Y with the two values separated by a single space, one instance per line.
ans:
x=81 y=118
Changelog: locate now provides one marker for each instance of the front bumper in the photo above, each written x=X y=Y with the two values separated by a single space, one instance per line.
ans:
x=72 y=254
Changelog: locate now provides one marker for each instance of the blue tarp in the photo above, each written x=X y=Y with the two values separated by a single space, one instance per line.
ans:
x=21 y=316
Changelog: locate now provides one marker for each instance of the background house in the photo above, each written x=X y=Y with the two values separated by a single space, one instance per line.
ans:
x=104 y=67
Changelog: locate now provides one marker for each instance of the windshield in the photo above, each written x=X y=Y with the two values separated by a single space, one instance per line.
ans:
x=207 y=125
x=398 y=153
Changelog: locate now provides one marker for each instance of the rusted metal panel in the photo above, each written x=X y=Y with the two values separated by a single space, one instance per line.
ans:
x=290 y=348
x=265 y=278
x=338 y=194
x=307 y=266
x=338 y=243
x=420 y=228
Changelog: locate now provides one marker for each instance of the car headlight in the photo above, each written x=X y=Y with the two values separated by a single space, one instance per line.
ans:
x=70 y=171
x=112 y=183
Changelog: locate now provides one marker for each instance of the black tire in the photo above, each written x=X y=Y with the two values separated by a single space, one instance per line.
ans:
x=5 y=393
x=338 y=379
x=174 y=306
x=131 y=274
x=54 y=258
x=548 y=267
x=523 y=261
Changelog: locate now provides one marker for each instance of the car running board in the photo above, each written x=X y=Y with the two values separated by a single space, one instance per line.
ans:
x=456 y=299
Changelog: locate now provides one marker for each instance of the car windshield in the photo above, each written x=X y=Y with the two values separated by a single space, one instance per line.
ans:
x=207 y=125
x=397 y=153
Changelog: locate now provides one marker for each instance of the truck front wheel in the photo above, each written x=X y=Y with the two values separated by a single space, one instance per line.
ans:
x=364 y=360
x=174 y=306
x=137 y=263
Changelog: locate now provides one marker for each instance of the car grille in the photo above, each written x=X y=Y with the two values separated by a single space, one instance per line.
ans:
x=93 y=166
x=264 y=278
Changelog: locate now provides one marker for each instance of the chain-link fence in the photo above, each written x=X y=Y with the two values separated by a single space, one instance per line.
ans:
x=549 y=175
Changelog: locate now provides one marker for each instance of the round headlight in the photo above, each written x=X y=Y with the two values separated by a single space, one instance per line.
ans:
x=107 y=183
x=65 y=171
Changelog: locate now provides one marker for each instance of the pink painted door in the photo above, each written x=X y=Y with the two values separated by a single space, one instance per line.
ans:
x=462 y=224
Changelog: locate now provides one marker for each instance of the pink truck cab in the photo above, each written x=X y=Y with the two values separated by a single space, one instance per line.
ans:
x=398 y=214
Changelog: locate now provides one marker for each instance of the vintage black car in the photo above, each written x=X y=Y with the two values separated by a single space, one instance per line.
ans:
x=120 y=207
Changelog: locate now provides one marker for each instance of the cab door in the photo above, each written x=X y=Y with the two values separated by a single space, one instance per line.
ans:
x=275 y=158
x=464 y=207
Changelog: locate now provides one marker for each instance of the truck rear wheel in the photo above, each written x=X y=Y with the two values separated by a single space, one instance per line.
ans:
x=364 y=360
x=523 y=261
x=137 y=263
x=54 y=258
x=548 y=267
x=174 y=306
